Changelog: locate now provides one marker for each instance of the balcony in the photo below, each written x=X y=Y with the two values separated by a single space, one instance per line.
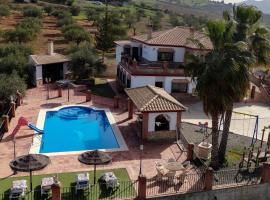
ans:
x=145 y=67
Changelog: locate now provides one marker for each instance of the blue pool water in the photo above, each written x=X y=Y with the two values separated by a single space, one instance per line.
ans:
x=77 y=129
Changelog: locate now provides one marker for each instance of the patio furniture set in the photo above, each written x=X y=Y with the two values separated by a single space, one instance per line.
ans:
x=172 y=169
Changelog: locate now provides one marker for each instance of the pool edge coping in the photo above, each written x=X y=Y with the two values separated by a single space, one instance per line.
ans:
x=37 y=138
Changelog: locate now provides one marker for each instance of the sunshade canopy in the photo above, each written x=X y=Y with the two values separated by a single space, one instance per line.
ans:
x=30 y=162
x=94 y=158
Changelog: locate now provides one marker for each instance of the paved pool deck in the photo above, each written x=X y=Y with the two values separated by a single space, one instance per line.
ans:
x=36 y=99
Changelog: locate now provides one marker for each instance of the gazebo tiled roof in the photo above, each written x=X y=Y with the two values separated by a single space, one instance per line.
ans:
x=153 y=99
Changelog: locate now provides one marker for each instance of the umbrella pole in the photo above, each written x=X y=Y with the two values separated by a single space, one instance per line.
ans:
x=95 y=169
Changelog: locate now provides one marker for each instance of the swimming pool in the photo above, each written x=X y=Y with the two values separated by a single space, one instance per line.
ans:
x=76 y=129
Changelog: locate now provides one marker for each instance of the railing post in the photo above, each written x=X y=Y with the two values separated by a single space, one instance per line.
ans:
x=6 y=122
x=190 y=152
x=116 y=101
x=265 y=173
x=209 y=177
x=13 y=108
x=88 y=96
x=56 y=191
x=142 y=187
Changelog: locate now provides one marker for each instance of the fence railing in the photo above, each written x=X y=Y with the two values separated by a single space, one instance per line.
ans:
x=9 y=113
x=126 y=190
x=235 y=177
x=175 y=185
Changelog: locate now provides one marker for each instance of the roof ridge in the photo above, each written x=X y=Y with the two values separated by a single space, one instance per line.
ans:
x=174 y=102
x=149 y=102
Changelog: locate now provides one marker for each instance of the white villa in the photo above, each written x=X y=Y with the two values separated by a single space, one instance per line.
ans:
x=158 y=59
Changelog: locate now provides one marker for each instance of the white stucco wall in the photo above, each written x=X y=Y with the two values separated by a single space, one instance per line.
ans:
x=139 y=81
x=38 y=72
x=65 y=68
x=118 y=50
x=151 y=53
x=152 y=117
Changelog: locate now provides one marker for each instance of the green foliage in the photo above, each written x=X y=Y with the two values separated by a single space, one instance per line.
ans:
x=75 y=10
x=14 y=57
x=64 y=19
x=48 y=9
x=31 y=11
x=4 y=11
x=110 y=29
x=26 y=30
x=85 y=62
x=76 y=34
x=9 y=85
x=156 y=21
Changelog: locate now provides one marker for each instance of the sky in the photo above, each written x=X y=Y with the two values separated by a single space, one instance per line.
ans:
x=234 y=1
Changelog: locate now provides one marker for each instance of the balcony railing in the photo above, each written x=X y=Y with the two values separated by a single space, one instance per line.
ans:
x=152 y=68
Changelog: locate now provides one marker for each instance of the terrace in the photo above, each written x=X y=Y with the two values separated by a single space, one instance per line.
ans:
x=145 y=67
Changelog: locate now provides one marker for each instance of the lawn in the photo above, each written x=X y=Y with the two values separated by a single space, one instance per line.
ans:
x=67 y=180
x=102 y=88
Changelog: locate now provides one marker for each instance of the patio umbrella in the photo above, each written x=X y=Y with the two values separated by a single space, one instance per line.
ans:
x=95 y=158
x=29 y=163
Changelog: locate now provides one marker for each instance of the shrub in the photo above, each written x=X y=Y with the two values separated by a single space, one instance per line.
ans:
x=4 y=11
x=76 y=34
x=75 y=10
x=31 y=11
x=48 y=9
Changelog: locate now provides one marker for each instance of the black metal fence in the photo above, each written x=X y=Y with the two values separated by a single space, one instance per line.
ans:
x=236 y=177
x=175 y=185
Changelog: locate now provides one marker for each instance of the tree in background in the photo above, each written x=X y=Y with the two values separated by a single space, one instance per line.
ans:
x=31 y=11
x=110 y=28
x=9 y=85
x=48 y=9
x=76 y=34
x=75 y=10
x=14 y=57
x=4 y=11
x=85 y=62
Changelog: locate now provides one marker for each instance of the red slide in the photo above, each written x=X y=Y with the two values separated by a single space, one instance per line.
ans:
x=21 y=122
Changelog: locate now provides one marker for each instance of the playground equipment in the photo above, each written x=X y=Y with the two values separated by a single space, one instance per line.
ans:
x=23 y=122
x=255 y=154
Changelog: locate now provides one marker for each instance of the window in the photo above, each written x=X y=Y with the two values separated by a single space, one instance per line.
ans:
x=165 y=56
x=179 y=87
x=128 y=83
x=162 y=123
x=159 y=84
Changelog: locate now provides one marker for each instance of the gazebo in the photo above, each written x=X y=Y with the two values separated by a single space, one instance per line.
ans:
x=159 y=111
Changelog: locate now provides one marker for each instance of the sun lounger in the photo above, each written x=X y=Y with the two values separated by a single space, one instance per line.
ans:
x=18 y=189
x=46 y=185
x=82 y=181
x=110 y=180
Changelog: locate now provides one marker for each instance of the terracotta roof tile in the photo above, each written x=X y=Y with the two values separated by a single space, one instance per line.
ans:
x=178 y=36
x=152 y=99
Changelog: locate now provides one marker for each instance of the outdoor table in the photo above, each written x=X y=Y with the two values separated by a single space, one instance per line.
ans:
x=174 y=166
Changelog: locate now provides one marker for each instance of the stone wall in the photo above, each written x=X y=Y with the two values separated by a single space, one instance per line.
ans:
x=258 y=192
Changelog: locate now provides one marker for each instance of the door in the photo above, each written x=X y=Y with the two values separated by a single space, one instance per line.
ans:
x=135 y=53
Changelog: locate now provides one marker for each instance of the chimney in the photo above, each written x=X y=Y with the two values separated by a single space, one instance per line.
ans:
x=50 y=48
x=192 y=32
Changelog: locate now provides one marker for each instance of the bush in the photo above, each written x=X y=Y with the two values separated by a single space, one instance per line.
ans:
x=65 y=19
x=9 y=85
x=48 y=9
x=4 y=11
x=75 y=10
x=76 y=34
x=31 y=11
x=25 y=31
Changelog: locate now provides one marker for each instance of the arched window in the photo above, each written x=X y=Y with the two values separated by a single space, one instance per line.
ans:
x=162 y=123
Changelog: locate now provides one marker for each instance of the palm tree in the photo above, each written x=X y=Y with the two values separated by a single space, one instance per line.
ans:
x=254 y=48
x=222 y=78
